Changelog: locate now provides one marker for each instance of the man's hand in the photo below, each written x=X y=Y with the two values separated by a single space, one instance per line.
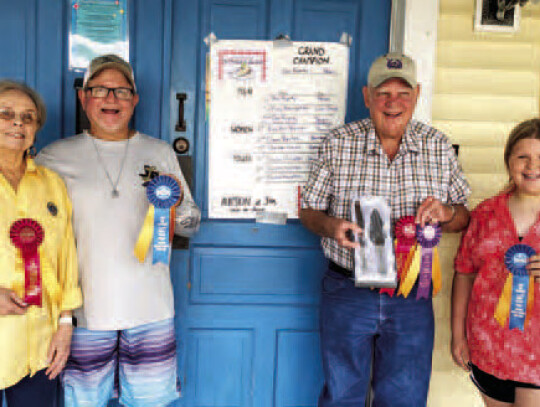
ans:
x=328 y=226
x=11 y=303
x=433 y=211
x=59 y=350
x=534 y=267
x=343 y=231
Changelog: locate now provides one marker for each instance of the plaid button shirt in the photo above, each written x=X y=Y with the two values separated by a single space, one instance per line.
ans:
x=352 y=163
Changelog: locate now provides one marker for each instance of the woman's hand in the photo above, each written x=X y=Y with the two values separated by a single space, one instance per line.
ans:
x=460 y=352
x=59 y=350
x=534 y=267
x=11 y=303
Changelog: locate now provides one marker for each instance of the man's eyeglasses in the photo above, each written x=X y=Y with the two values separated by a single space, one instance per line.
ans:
x=102 y=92
x=28 y=117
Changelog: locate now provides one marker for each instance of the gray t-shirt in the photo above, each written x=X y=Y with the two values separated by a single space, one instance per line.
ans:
x=118 y=291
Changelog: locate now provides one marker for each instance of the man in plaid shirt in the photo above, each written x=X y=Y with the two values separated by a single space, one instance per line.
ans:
x=414 y=167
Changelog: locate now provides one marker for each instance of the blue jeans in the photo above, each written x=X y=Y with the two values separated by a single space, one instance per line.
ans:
x=371 y=338
x=37 y=390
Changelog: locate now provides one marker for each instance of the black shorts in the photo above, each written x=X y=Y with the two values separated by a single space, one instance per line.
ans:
x=497 y=389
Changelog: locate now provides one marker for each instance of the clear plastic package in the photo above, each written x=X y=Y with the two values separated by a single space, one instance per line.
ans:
x=374 y=260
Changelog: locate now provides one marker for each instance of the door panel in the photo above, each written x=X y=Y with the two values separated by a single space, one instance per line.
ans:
x=289 y=271
x=31 y=35
x=17 y=39
x=222 y=366
x=252 y=290
x=237 y=19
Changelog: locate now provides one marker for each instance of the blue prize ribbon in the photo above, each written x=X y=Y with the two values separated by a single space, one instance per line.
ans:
x=516 y=259
x=161 y=247
x=163 y=192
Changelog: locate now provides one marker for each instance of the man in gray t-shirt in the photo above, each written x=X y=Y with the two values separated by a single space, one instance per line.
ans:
x=125 y=326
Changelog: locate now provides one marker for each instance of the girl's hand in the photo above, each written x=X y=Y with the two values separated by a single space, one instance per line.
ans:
x=460 y=352
x=534 y=267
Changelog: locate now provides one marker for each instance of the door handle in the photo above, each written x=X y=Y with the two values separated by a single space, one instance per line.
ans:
x=181 y=122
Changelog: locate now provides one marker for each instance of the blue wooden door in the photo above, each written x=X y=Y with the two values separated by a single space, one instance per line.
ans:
x=247 y=293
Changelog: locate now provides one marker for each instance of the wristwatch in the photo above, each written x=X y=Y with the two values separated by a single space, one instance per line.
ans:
x=66 y=321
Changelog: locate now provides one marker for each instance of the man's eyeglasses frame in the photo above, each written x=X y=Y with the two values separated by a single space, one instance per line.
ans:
x=121 y=93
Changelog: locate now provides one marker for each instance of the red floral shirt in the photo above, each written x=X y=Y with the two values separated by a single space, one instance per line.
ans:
x=506 y=354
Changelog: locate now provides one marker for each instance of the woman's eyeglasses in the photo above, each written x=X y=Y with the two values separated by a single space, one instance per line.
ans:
x=102 y=92
x=27 y=117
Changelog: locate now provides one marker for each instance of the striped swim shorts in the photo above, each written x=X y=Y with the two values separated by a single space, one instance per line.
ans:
x=136 y=364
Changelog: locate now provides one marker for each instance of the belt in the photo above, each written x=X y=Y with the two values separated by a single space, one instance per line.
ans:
x=338 y=269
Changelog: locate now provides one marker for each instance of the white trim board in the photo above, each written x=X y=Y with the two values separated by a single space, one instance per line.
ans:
x=420 y=43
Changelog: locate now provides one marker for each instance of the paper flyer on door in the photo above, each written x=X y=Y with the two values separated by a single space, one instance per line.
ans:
x=271 y=104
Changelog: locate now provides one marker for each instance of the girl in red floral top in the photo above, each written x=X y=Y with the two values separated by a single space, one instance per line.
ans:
x=504 y=363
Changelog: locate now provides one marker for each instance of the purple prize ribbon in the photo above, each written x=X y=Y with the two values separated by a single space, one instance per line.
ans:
x=427 y=237
x=515 y=260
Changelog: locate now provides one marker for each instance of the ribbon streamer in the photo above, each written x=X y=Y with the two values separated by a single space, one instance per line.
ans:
x=49 y=280
x=145 y=235
x=163 y=193
x=27 y=235
x=424 y=266
x=405 y=232
x=517 y=297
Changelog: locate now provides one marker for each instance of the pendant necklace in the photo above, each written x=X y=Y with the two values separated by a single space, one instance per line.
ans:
x=114 y=185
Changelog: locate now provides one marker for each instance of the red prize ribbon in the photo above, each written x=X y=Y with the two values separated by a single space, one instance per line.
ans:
x=405 y=232
x=27 y=235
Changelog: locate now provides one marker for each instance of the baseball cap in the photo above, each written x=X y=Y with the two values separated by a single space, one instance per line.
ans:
x=392 y=65
x=109 y=61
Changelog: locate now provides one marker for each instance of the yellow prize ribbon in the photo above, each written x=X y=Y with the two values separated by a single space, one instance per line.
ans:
x=436 y=275
x=145 y=236
x=412 y=273
x=407 y=264
x=503 y=306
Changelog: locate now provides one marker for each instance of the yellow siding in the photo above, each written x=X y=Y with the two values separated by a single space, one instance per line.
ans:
x=485 y=83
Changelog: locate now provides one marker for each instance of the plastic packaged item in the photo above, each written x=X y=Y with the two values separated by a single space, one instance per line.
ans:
x=374 y=261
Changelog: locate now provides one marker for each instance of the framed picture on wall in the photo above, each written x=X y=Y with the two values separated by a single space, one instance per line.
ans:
x=496 y=16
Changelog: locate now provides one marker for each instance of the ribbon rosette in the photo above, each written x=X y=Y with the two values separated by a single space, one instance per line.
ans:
x=517 y=297
x=424 y=264
x=164 y=194
x=405 y=232
x=27 y=235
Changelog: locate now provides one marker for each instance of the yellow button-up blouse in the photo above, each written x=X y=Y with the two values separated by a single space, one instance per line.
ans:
x=24 y=339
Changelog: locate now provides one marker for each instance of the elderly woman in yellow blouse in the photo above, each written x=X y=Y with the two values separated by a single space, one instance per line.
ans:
x=38 y=266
